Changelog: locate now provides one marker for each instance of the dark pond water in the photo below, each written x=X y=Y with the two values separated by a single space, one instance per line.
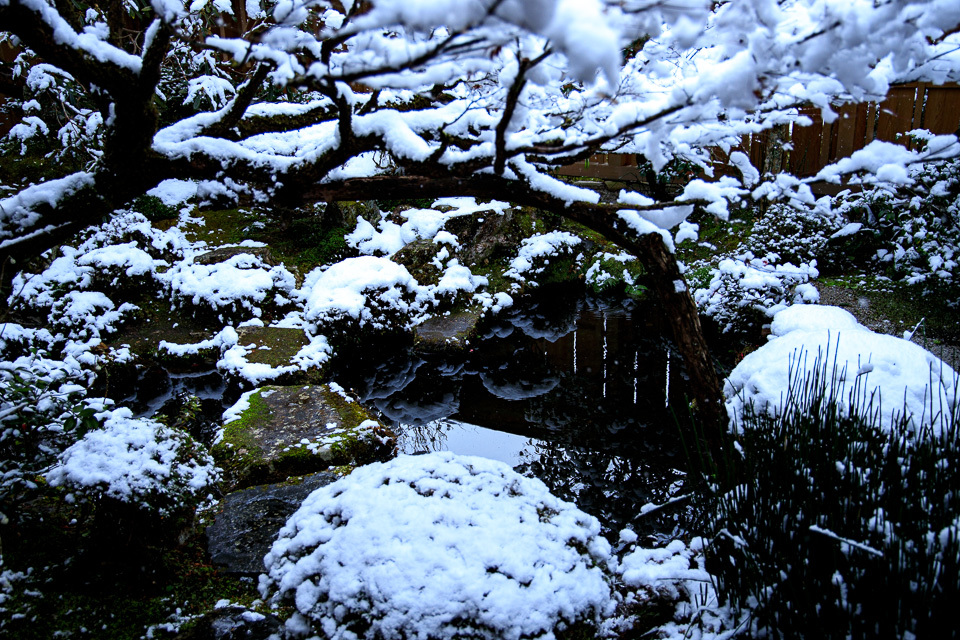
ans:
x=584 y=395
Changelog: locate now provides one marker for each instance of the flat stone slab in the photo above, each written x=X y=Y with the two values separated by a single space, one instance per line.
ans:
x=247 y=522
x=447 y=332
x=295 y=430
x=221 y=254
x=232 y=623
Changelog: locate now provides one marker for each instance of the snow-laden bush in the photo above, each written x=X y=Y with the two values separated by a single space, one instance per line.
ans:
x=614 y=272
x=42 y=408
x=746 y=291
x=792 y=234
x=240 y=283
x=136 y=461
x=439 y=546
x=368 y=292
x=538 y=252
x=919 y=227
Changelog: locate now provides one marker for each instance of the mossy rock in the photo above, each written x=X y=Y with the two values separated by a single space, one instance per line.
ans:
x=417 y=258
x=485 y=236
x=446 y=333
x=276 y=347
x=296 y=430
x=222 y=254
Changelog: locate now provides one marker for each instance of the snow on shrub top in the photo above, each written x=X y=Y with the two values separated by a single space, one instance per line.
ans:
x=354 y=287
x=137 y=461
x=438 y=546
x=899 y=376
x=535 y=251
x=242 y=280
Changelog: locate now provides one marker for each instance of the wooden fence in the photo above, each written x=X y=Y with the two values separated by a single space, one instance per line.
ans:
x=907 y=107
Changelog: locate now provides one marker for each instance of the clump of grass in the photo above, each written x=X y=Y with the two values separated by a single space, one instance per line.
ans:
x=835 y=528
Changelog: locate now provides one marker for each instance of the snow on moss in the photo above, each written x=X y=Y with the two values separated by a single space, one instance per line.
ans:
x=439 y=546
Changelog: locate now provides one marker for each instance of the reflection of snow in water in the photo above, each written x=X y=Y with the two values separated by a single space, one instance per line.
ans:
x=469 y=439
x=518 y=389
x=418 y=411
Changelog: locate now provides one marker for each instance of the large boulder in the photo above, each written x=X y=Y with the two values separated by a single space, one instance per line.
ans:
x=247 y=522
x=823 y=350
x=274 y=433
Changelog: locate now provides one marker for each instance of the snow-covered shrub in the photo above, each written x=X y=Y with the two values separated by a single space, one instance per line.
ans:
x=614 y=272
x=42 y=408
x=794 y=235
x=76 y=291
x=744 y=292
x=919 y=227
x=366 y=292
x=138 y=462
x=242 y=284
x=439 y=546
x=840 y=523
x=538 y=252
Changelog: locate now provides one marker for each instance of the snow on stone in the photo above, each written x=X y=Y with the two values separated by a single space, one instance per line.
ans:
x=311 y=356
x=423 y=546
x=134 y=460
x=810 y=317
x=899 y=376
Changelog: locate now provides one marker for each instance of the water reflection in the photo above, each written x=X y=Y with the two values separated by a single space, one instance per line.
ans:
x=573 y=393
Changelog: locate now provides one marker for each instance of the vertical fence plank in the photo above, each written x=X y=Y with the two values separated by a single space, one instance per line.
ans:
x=805 y=155
x=896 y=113
x=847 y=130
x=941 y=113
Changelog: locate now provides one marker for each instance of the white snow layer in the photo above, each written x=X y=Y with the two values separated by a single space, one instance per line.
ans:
x=134 y=460
x=899 y=376
x=435 y=545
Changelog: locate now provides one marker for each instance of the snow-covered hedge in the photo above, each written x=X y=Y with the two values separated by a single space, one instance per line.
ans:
x=439 y=546
x=136 y=461
x=920 y=227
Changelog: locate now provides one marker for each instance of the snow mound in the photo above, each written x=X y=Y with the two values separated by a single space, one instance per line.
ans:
x=897 y=376
x=362 y=289
x=137 y=461
x=439 y=546
x=809 y=317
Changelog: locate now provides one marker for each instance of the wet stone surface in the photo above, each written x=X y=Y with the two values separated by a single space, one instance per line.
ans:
x=449 y=332
x=247 y=522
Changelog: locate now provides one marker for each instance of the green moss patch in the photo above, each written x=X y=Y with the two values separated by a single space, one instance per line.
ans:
x=296 y=430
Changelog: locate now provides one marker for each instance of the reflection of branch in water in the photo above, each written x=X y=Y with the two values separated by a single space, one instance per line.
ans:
x=421 y=438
